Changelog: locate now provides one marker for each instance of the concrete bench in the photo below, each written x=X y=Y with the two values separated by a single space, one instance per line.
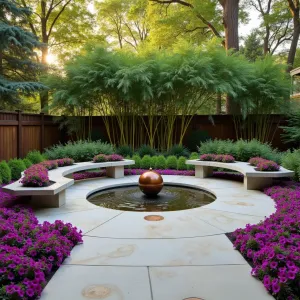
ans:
x=253 y=180
x=54 y=195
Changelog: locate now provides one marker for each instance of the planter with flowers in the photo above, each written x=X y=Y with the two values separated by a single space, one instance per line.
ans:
x=225 y=158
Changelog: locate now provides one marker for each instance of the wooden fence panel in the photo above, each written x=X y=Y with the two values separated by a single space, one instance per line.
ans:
x=21 y=133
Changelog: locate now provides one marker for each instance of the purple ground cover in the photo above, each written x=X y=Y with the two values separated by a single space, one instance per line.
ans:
x=273 y=246
x=29 y=252
x=222 y=175
x=5 y=198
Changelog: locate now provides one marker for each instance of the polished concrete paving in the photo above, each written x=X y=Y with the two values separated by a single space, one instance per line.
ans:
x=184 y=256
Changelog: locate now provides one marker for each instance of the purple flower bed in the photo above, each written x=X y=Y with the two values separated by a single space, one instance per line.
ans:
x=222 y=175
x=29 y=252
x=273 y=246
x=225 y=158
x=6 y=199
x=262 y=164
x=35 y=176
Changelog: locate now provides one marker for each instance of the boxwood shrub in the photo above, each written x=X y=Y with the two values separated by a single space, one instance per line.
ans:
x=35 y=157
x=5 y=172
x=194 y=155
x=172 y=162
x=27 y=163
x=17 y=166
x=146 y=162
x=137 y=160
x=161 y=162
x=153 y=161
x=181 y=163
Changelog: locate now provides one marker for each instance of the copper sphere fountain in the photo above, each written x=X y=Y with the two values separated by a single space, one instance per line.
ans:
x=151 y=183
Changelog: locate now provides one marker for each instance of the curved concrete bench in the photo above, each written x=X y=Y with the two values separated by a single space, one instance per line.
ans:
x=253 y=180
x=54 y=195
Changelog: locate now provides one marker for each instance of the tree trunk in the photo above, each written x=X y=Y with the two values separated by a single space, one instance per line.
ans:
x=44 y=96
x=231 y=27
x=231 y=23
x=266 y=41
x=295 y=39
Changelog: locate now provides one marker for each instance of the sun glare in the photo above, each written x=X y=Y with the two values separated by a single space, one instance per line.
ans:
x=51 y=59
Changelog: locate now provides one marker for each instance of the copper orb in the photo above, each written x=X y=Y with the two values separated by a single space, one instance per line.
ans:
x=151 y=183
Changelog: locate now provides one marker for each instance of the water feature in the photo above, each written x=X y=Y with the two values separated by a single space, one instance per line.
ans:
x=171 y=198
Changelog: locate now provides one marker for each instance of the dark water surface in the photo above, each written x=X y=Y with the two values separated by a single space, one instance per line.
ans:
x=171 y=198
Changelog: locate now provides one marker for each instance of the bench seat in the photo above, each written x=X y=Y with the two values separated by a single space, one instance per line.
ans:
x=253 y=180
x=54 y=195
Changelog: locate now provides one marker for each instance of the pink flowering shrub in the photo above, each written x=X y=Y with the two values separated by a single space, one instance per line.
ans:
x=207 y=157
x=103 y=158
x=49 y=164
x=273 y=246
x=255 y=160
x=63 y=162
x=262 y=164
x=115 y=157
x=35 y=176
x=267 y=165
x=217 y=157
x=30 y=251
x=100 y=158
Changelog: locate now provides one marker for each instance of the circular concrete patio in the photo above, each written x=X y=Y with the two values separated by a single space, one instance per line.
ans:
x=184 y=255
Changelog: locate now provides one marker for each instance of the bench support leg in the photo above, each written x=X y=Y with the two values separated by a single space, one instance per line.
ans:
x=203 y=171
x=257 y=183
x=115 y=172
x=49 y=201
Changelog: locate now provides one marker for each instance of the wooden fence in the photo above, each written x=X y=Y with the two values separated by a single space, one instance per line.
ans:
x=21 y=132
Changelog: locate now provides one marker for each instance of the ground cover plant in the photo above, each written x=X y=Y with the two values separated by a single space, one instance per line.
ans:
x=273 y=246
x=30 y=252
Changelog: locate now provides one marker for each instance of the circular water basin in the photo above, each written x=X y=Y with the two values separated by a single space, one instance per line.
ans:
x=171 y=198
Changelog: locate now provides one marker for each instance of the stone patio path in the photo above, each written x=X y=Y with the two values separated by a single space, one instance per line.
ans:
x=185 y=256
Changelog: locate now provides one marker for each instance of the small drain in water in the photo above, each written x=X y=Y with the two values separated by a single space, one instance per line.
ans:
x=193 y=298
x=153 y=218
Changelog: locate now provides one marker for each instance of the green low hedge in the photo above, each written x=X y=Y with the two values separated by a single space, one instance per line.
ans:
x=172 y=162
x=17 y=166
x=35 y=157
x=146 y=162
x=160 y=162
x=181 y=163
x=5 y=172
x=27 y=163
x=137 y=160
